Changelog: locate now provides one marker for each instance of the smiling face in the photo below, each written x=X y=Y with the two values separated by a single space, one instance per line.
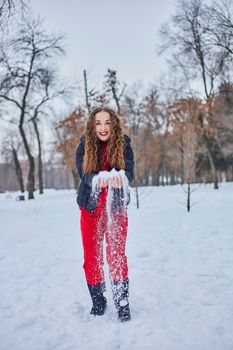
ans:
x=103 y=125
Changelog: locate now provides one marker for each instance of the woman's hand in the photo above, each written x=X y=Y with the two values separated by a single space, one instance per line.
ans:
x=106 y=178
x=117 y=181
x=102 y=181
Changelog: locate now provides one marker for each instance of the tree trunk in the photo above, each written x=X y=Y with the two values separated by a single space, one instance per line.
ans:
x=157 y=179
x=31 y=172
x=137 y=196
x=18 y=170
x=188 y=197
x=116 y=99
x=167 y=178
x=86 y=91
x=162 y=177
x=31 y=179
x=40 y=163
x=40 y=174
x=211 y=160
x=172 y=177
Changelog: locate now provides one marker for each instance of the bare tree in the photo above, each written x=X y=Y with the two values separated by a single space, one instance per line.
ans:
x=134 y=119
x=50 y=89
x=24 y=62
x=156 y=124
x=220 y=24
x=8 y=8
x=92 y=96
x=185 y=125
x=10 y=150
x=88 y=105
x=113 y=86
x=190 y=159
x=187 y=37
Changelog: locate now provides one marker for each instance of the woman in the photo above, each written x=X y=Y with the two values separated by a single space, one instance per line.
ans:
x=104 y=160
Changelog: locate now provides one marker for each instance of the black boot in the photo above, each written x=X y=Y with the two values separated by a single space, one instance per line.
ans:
x=98 y=299
x=120 y=297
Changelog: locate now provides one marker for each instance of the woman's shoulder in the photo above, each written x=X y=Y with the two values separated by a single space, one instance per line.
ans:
x=80 y=146
x=82 y=140
x=127 y=138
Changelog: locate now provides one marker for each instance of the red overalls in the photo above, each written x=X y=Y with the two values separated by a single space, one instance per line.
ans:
x=94 y=227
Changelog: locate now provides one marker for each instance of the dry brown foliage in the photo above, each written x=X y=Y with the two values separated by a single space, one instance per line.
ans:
x=69 y=132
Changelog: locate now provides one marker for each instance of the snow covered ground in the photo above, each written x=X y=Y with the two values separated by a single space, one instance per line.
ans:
x=180 y=265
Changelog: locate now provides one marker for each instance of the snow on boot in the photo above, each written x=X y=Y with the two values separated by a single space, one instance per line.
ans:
x=120 y=297
x=98 y=299
x=124 y=312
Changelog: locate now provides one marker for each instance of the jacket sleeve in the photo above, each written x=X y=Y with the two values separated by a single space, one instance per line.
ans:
x=129 y=159
x=86 y=178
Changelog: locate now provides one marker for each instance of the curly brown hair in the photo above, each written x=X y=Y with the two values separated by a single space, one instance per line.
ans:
x=92 y=157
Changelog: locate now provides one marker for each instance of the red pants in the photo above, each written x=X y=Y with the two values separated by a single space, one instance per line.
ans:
x=94 y=227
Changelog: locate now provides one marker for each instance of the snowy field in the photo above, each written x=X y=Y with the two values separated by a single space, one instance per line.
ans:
x=180 y=270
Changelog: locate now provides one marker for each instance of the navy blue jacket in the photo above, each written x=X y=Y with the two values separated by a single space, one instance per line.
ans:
x=84 y=198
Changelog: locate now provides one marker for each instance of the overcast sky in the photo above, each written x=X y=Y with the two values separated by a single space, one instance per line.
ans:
x=120 y=34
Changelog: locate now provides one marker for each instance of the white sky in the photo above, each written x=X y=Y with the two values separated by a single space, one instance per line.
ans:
x=101 y=34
